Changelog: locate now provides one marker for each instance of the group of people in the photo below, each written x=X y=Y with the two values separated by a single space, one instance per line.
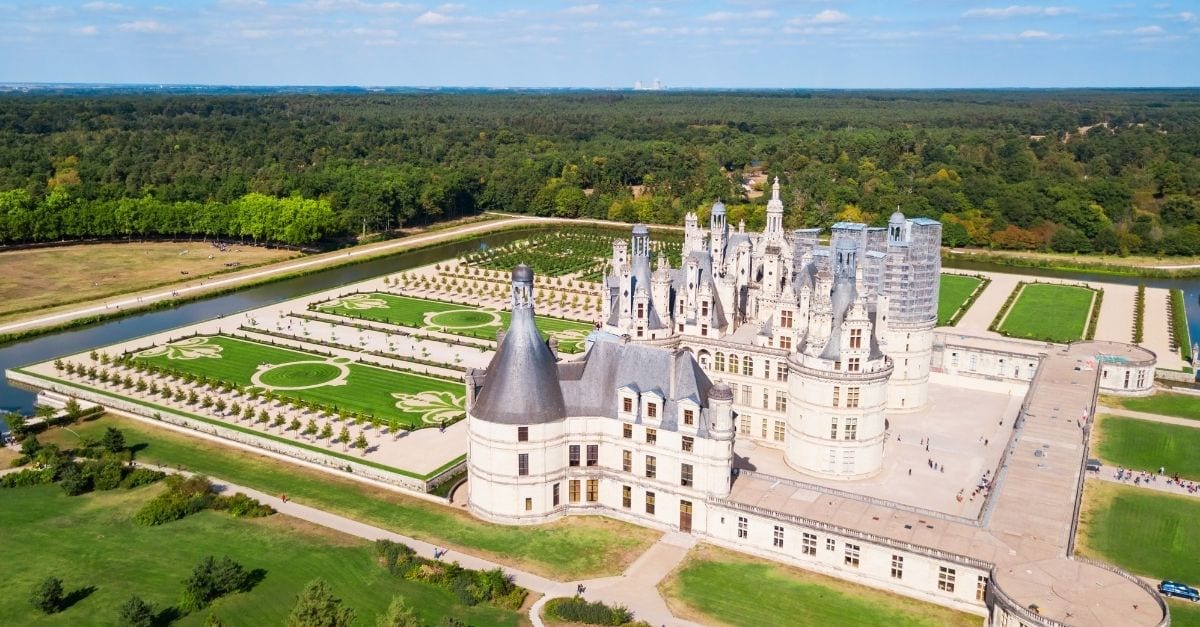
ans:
x=1140 y=477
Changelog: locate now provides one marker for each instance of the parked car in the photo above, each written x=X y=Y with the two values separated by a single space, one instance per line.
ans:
x=1093 y=465
x=1176 y=589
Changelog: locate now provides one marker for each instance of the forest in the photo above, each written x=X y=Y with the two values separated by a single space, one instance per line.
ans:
x=1107 y=171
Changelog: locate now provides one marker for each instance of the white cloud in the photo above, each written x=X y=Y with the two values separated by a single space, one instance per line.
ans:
x=433 y=18
x=1188 y=16
x=104 y=6
x=1149 y=30
x=1018 y=10
x=729 y=16
x=88 y=30
x=143 y=26
x=828 y=16
x=582 y=9
x=358 y=5
x=1037 y=34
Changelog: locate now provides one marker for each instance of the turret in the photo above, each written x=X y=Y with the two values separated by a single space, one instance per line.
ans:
x=717 y=236
x=774 y=230
x=693 y=237
x=720 y=408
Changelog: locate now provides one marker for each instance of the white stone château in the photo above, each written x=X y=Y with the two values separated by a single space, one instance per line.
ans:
x=816 y=341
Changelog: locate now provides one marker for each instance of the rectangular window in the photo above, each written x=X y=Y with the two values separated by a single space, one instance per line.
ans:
x=766 y=399
x=747 y=396
x=778 y=539
x=766 y=368
x=808 y=543
x=685 y=475
x=785 y=319
x=704 y=329
x=652 y=410
x=781 y=370
x=523 y=464
x=651 y=467
x=555 y=495
x=627 y=461
x=945 y=579
x=573 y=455
x=651 y=436
x=780 y=400
x=744 y=425
x=689 y=417
x=763 y=431
x=748 y=366
x=852 y=427
x=852 y=364
x=851 y=397
x=688 y=443
x=830 y=545
x=649 y=502
x=593 y=490
x=855 y=338
x=626 y=497
x=743 y=527
x=704 y=309
x=779 y=429
x=785 y=342
x=522 y=434
x=593 y=454
x=833 y=431
x=573 y=490
x=897 y=567
x=981 y=587
x=734 y=364
x=837 y=395
x=627 y=405
x=851 y=558
x=528 y=504
x=627 y=431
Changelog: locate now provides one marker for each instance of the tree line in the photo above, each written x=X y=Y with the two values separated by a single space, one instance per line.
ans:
x=1073 y=170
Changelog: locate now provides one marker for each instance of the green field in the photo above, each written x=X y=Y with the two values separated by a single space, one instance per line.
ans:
x=1145 y=445
x=578 y=548
x=1163 y=403
x=1184 y=613
x=1144 y=532
x=1055 y=313
x=91 y=541
x=953 y=293
x=464 y=320
x=369 y=390
x=717 y=585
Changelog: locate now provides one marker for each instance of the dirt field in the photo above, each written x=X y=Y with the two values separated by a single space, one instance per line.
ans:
x=45 y=277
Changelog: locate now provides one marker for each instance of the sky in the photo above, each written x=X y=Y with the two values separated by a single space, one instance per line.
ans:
x=605 y=43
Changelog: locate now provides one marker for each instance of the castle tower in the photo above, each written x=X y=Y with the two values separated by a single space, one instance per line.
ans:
x=908 y=287
x=693 y=236
x=517 y=413
x=838 y=390
x=774 y=230
x=642 y=300
x=718 y=234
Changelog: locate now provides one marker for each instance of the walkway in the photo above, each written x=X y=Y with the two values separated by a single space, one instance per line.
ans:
x=1141 y=415
x=636 y=588
x=1159 y=484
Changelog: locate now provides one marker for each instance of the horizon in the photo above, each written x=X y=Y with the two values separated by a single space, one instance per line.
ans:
x=559 y=44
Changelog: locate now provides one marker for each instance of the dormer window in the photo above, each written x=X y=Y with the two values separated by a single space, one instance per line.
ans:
x=641 y=310
x=522 y=434
x=704 y=309
x=652 y=410
x=627 y=405
x=855 y=338
x=785 y=319
x=689 y=417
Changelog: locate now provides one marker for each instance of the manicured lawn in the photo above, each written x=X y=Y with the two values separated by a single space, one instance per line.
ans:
x=718 y=585
x=954 y=291
x=1057 y=313
x=1148 y=533
x=1145 y=445
x=91 y=541
x=1163 y=403
x=576 y=548
x=463 y=320
x=1184 y=613
x=366 y=389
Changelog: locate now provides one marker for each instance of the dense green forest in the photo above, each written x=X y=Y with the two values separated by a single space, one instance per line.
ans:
x=1004 y=169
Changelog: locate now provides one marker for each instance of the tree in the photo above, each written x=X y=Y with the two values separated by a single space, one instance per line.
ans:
x=326 y=431
x=317 y=607
x=30 y=446
x=360 y=442
x=344 y=437
x=135 y=612
x=398 y=614
x=47 y=595
x=73 y=481
x=210 y=580
x=113 y=440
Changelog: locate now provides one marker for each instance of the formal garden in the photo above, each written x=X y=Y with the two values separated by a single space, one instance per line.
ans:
x=718 y=586
x=1049 y=312
x=956 y=294
x=583 y=252
x=455 y=319
x=1145 y=445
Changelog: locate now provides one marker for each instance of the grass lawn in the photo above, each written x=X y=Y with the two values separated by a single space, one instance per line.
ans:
x=1163 y=403
x=463 y=320
x=91 y=541
x=1184 y=613
x=576 y=548
x=43 y=277
x=1145 y=445
x=366 y=389
x=1057 y=313
x=954 y=291
x=714 y=585
x=1144 y=532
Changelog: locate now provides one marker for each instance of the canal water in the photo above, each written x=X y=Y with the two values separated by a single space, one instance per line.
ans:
x=46 y=347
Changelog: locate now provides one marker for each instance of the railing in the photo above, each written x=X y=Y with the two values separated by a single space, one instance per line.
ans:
x=1010 y=605
x=1001 y=472
x=1087 y=430
x=1162 y=605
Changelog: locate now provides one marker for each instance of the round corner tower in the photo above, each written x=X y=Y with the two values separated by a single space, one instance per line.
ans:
x=907 y=308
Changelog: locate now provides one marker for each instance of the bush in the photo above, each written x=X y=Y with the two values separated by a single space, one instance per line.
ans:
x=240 y=505
x=397 y=558
x=182 y=498
x=25 y=478
x=105 y=475
x=135 y=612
x=470 y=587
x=212 y=579
x=73 y=480
x=48 y=596
x=577 y=610
x=141 y=476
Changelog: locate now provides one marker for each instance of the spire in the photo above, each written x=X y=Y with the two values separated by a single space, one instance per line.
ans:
x=775 y=189
x=775 y=212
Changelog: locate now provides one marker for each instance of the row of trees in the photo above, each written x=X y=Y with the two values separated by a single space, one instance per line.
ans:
x=1080 y=170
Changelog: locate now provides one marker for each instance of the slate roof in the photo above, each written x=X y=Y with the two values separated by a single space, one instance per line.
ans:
x=521 y=386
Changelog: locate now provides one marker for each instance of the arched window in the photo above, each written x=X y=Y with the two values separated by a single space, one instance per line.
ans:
x=733 y=364
x=719 y=362
x=748 y=366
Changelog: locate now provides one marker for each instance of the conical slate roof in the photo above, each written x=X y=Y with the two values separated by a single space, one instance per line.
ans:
x=522 y=386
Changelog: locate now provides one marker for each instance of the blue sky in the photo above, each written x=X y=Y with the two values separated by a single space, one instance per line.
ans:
x=605 y=43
